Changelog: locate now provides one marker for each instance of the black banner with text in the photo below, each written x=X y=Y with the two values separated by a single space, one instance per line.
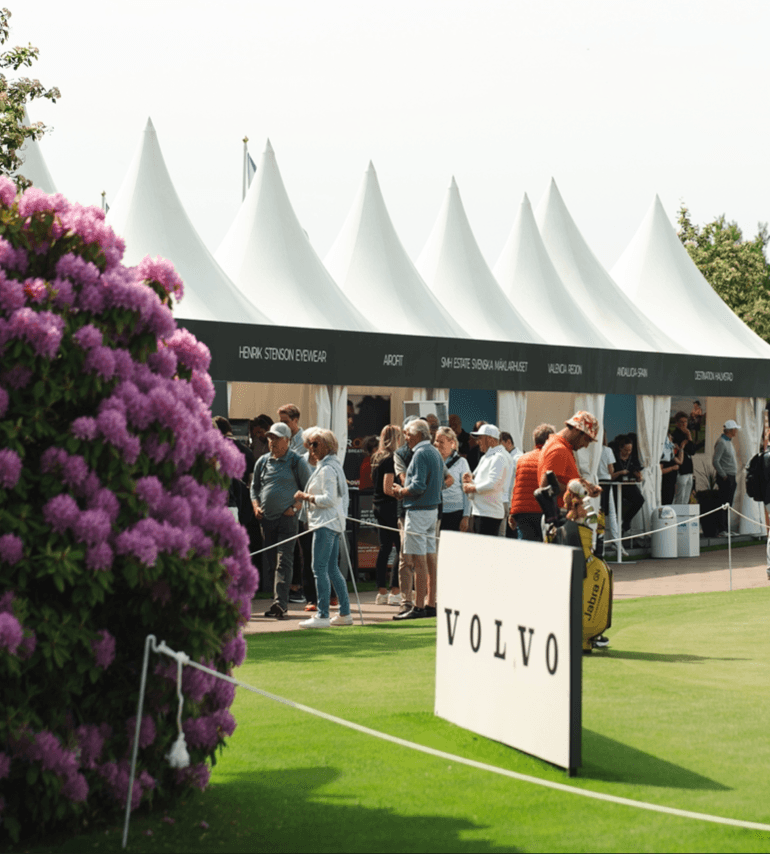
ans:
x=275 y=354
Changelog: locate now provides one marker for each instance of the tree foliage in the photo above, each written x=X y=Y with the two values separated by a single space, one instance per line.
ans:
x=14 y=95
x=737 y=269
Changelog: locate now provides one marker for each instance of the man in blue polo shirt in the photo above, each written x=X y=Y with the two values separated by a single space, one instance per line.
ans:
x=278 y=475
x=421 y=494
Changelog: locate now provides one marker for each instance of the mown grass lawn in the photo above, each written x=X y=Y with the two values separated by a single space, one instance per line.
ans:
x=675 y=713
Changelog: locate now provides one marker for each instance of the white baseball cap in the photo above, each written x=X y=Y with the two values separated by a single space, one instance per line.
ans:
x=487 y=430
x=732 y=425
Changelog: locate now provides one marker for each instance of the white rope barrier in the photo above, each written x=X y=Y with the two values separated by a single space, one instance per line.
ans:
x=182 y=659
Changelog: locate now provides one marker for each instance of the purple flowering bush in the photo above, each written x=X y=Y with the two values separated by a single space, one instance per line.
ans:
x=113 y=523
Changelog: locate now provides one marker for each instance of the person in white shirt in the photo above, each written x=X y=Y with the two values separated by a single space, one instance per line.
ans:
x=326 y=498
x=487 y=486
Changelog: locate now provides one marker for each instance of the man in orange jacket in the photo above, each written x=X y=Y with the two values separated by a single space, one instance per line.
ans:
x=526 y=513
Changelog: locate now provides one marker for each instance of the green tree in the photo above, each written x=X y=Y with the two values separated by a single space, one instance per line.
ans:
x=737 y=269
x=14 y=95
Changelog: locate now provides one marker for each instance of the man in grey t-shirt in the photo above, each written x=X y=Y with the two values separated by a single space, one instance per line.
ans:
x=278 y=475
x=726 y=467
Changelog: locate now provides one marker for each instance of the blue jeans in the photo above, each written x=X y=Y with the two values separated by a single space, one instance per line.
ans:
x=326 y=552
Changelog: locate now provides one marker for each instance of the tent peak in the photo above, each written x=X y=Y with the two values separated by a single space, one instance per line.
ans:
x=268 y=147
x=453 y=184
x=370 y=168
x=149 y=125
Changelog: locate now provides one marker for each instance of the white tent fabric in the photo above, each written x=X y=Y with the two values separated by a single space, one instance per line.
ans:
x=530 y=281
x=34 y=167
x=653 y=413
x=149 y=215
x=511 y=414
x=588 y=459
x=750 y=414
x=624 y=325
x=455 y=270
x=656 y=272
x=332 y=413
x=268 y=255
x=371 y=266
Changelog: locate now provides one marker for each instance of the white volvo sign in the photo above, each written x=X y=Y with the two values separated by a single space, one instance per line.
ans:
x=509 y=643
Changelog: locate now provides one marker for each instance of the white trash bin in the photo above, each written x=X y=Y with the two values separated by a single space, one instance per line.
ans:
x=664 y=542
x=688 y=529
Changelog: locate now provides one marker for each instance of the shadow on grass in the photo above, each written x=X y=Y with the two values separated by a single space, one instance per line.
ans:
x=367 y=642
x=282 y=810
x=664 y=657
x=607 y=759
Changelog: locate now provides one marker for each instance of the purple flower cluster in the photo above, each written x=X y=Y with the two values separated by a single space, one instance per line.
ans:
x=147 y=731
x=208 y=730
x=196 y=684
x=234 y=650
x=10 y=468
x=117 y=775
x=104 y=649
x=91 y=739
x=194 y=775
x=161 y=271
x=46 y=749
x=192 y=353
x=11 y=633
x=43 y=330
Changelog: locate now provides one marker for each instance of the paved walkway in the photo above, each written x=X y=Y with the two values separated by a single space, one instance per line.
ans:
x=707 y=573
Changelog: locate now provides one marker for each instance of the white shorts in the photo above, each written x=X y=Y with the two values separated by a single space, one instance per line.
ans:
x=420 y=532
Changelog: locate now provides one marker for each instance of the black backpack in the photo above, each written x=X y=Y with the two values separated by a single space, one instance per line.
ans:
x=755 y=476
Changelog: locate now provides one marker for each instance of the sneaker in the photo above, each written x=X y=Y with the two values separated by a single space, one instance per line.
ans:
x=722 y=534
x=342 y=620
x=311 y=606
x=601 y=642
x=316 y=622
x=405 y=609
x=394 y=598
x=412 y=614
x=296 y=597
x=430 y=611
x=275 y=610
x=382 y=599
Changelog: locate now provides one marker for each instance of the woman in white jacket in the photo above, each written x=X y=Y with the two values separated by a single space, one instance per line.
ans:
x=326 y=499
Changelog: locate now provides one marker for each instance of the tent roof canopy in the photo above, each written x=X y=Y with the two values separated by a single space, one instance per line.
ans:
x=530 y=281
x=268 y=255
x=455 y=270
x=149 y=215
x=626 y=327
x=372 y=267
x=657 y=273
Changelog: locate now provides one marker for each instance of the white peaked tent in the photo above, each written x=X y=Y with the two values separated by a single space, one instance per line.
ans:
x=149 y=215
x=269 y=257
x=626 y=327
x=656 y=272
x=372 y=266
x=530 y=281
x=455 y=270
x=34 y=167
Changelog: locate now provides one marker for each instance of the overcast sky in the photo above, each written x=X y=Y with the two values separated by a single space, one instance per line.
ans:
x=617 y=101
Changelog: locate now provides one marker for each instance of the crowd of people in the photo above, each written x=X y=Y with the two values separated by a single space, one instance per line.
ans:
x=425 y=477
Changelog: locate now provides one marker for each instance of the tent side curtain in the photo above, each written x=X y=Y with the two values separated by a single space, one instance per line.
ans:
x=750 y=414
x=653 y=413
x=512 y=414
